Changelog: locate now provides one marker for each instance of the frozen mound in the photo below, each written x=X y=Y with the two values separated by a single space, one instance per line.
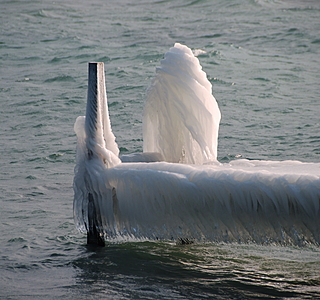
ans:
x=181 y=117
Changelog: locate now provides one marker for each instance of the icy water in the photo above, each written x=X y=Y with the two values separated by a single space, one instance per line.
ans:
x=263 y=60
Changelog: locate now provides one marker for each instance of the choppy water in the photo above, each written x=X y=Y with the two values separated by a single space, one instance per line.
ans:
x=263 y=61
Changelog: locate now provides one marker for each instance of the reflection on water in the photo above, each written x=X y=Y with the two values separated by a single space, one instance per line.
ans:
x=151 y=270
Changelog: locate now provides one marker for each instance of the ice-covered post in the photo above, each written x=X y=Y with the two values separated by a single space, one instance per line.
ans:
x=96 y=150
x=100 y=138
x=93 y=124
x=96 y=102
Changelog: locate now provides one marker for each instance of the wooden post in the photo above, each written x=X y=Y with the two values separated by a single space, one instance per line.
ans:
x=94 y=236
x=96 y=98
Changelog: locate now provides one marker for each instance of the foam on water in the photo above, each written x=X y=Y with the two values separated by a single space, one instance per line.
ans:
x=242 y=201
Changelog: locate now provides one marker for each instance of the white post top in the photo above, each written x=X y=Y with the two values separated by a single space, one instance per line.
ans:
x=100 y=138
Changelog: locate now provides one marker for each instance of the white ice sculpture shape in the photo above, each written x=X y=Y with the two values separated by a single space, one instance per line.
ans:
x=242 y=201
x=181 y=116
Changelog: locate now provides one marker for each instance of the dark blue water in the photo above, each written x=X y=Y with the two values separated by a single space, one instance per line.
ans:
x=262 y=58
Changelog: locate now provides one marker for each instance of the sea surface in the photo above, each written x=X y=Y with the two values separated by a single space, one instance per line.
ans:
x=263 y=60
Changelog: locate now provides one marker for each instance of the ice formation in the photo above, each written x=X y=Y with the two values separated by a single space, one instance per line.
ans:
x=186 y=194
x=181 y=117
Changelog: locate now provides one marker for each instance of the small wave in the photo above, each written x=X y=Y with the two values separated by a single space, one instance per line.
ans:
x=48 y=40
x=188 y=4
x=47 y=14
x=211 y=36
x=31 y=58
x=58 y=60
x=17 y=240
x=54 y=157
x=104 y=59
x=35 y=194
x=61 y=78
x=317 y=41
x=219 y=81
x=261 y=79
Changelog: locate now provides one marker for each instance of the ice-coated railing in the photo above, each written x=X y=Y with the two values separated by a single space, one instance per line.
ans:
x=188 y=195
